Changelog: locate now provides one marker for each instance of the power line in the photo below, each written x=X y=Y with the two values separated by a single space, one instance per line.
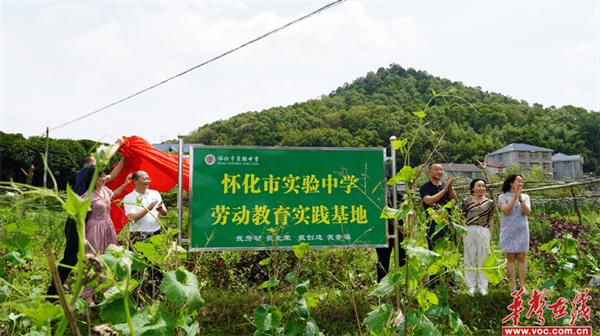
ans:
x=324 y=8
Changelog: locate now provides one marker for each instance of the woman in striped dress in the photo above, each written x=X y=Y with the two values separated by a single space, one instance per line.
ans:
x=478 y=212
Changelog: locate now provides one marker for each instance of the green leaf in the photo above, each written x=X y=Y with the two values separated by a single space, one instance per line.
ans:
x=458 y=277
x=38 y=331
x=266 y=318
x=450 y=204
x=159 y=240
x=150 y=251
x=14 y=258
x=460 y=230
x=312 y=299
x=567 y=266
x=181 y=288
x=76 y=206
x=291 y=278
x=433 y=269
x=399 y=144
x=293 y=328
x=301 y=308
x=377 y=320
x=491 y=267
x=272 y=282
x=113 y=312
x=388 y=213
x=265 y=261
x=420 y=114
x=570 y=245
x=426 y=298
x=387 y=284
x=413 y=317
x=5 y=292
x=27 y=226
x=422 y=255
x=116 y=292
x=18 y=241
x=41 y=312
x=548 y=246
x=391 y=213
x=120 y=260
x=457 y=324
x=549 y=283
x=191 y=327
x=300 y=250
x=154 y=320
x=302 y=287
x=405 y=175
x=426 y=328
x=10 y=228
x=311 y=328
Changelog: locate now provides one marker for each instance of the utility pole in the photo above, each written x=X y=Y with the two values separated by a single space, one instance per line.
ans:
x=46 y=160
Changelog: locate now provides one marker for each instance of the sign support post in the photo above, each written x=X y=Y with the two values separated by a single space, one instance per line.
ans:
x=180 y=190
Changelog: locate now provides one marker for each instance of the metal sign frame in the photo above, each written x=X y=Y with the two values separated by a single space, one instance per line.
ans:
x=274 y=245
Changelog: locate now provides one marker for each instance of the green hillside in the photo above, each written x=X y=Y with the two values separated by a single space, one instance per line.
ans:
x=369 y=110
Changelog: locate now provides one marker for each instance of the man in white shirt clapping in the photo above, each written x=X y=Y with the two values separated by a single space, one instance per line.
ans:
x=143 y=207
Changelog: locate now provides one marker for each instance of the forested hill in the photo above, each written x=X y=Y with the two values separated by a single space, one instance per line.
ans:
x=369 y=110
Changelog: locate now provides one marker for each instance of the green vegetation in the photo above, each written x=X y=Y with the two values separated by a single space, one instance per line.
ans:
x=19 y=154
x=369 y=110
x=229 y=281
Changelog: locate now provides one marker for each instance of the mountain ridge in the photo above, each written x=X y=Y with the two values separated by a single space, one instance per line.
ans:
x=368 y=110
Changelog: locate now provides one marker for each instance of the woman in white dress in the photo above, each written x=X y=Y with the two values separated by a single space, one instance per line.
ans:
x=514 y=228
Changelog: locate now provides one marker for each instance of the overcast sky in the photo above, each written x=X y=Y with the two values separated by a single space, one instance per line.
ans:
x=61 y=60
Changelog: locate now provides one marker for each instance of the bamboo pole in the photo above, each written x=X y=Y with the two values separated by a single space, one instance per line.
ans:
x=575 y=205
x=61 y=294
x=563 y=185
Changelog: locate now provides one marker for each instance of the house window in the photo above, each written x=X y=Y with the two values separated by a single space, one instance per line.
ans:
x=523 y=165
x=546 y=166
x=532 y=155
x=521 y=155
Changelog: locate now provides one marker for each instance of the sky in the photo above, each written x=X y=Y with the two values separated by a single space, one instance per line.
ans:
x=60 y=60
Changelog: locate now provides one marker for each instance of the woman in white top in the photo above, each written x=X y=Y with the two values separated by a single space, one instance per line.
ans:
x=514 y=227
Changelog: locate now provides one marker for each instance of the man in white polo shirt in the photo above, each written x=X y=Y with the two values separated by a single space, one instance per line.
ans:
x=143 y=207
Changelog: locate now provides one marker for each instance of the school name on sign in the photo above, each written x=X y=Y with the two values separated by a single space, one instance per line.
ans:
x=307 y=184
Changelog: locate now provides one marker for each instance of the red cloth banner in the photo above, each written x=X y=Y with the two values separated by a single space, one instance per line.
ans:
x=162 y=168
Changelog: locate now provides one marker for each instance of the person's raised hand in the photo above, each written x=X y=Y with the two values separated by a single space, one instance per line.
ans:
x=518 y=194
x=152 y=205
x=449 y=183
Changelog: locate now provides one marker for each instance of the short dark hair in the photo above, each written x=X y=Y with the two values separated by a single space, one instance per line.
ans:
x=87 y=160
x=136 y=175
x=508 y=181
x=434 y=163
x=472 y=185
